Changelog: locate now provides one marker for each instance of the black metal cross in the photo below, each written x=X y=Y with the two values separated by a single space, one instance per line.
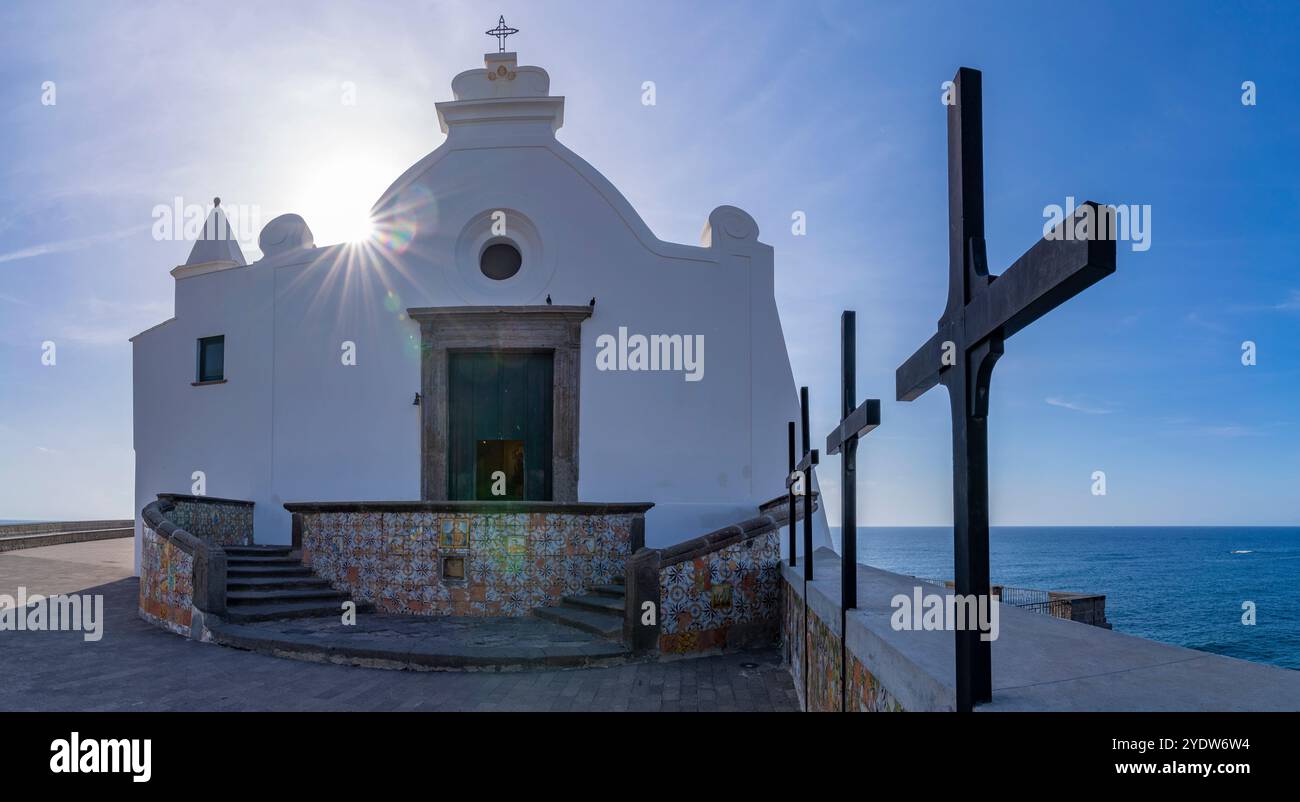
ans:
x=501 y=31
x=981 y=313
x=790 y=491
x=804 y=470
x=857 y=422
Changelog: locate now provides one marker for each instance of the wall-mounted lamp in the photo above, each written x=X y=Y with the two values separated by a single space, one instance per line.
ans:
x=416 y=402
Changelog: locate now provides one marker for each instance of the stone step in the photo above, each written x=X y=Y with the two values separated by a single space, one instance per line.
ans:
x=606 y=625
x=288 y=569
x=275 y=583
x=271 y=611
x=612 y=589
x=242 y=560
x=596 y=601
x=256 y=550
x=244 y=598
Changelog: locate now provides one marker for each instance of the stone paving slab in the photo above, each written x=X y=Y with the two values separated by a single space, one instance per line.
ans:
x=139 y=667
x=425 y=642
x=67 y=567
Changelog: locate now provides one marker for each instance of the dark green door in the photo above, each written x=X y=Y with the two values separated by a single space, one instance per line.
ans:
x=499 y=426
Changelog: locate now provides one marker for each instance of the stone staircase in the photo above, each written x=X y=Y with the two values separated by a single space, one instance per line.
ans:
x=599 y=611
x=264 y=583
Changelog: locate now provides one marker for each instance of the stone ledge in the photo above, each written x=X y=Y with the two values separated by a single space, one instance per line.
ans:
x=49 y=527
x=174 y=497
x=773 y=514
x=495 y=507
x=57 y=538
x=1040 y=663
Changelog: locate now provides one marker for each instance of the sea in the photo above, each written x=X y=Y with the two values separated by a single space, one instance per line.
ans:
x=1180 y=585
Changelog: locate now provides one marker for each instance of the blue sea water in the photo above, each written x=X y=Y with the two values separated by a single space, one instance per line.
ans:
x=1180 y=585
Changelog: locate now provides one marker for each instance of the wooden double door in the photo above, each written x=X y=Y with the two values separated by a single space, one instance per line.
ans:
x=500 y=409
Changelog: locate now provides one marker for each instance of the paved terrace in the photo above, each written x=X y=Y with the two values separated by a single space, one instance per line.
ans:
x=140 y=667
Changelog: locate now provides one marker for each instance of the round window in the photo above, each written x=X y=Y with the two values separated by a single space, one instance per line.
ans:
x=500 y=261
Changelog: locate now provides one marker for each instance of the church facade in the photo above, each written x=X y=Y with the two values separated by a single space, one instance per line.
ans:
x=513 y=332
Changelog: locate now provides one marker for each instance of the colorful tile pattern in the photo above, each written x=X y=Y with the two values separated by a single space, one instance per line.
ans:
x=513 y=561
x=825 y=666
x=214 y=521
x=803 y=632
x=792 y=637
x=166 y=583
x=864 y=692
x=702 y=599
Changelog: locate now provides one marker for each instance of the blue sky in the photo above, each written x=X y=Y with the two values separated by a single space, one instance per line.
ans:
x=832 y=109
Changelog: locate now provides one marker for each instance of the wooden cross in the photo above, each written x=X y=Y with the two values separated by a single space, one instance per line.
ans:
x=857 y=422
x=805 y=469
x=982 y=311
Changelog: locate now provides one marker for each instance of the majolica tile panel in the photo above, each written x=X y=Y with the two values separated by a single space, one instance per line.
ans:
x=471 y=563
x=703 y=599
x=793 y=639
x=214 y=522
x=864 y=693
x=166 y=583
x=825 y=678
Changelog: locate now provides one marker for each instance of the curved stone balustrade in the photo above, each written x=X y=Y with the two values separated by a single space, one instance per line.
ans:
x=183 y=573
x=720 y=590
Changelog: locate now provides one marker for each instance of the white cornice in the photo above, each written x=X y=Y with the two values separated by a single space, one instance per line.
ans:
x=501 y=110
x=190 y=271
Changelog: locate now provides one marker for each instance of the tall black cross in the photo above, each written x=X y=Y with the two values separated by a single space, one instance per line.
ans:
x=790 y=491
x=981 y=313
x=804 y=469
x=857 y=421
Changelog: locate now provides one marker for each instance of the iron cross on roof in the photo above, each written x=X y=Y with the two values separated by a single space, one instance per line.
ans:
x=501 y=31
x=983 y=310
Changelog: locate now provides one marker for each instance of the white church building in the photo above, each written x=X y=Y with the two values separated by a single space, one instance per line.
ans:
x=513 y=332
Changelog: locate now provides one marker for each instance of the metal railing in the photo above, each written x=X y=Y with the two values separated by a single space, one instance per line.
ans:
x=1058 y=604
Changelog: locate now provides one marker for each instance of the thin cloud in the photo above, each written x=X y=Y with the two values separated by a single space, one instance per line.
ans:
x=64 y=246
x=96 y=321
x=1196 y=320
x=1230 y=430
x=1185 y=427
x=1076 y=407
x=1291 y=304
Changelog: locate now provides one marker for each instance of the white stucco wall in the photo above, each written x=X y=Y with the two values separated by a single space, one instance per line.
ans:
x=292 y=423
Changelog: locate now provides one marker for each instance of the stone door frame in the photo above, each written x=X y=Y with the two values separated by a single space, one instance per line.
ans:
x=556 y=329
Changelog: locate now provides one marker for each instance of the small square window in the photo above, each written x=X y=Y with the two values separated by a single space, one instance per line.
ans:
x=453 y=569
x=212 y=358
